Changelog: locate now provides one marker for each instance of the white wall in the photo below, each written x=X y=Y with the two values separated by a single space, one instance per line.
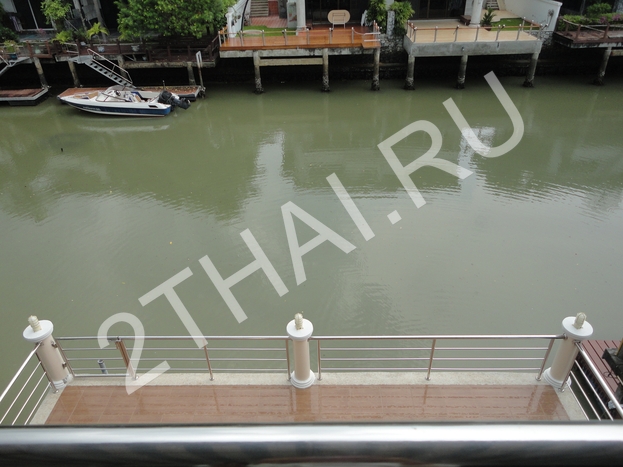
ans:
x=8 y=6
x=237 y=16
x=536 y=11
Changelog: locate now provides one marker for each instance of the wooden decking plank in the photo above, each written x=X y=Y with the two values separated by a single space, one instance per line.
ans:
x=595 y=350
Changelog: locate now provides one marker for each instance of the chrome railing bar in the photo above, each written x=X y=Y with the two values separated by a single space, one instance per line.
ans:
x=425 y=369
x=545 y=357
x=600 y=379
x=21 y=390
x=21 y=368
x=409 y=337
x=430 y=361
x=34 y=409
x=578 y=401
x=205 y=348
x=28 y=398
x=428 y=348
x=603 y=406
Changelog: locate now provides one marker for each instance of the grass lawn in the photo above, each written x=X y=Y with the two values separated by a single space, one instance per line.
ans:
x=510 y=23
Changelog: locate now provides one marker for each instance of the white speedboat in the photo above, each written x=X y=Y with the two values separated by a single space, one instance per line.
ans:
x=119 y=100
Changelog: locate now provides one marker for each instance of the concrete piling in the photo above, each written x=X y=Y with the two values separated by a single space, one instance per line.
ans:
x=258 y=77
x=377 y=65
x=599 y=81
x=74 y=74
x=37 y=62
x=460 y=83
x=325 y=70
x=409 y=82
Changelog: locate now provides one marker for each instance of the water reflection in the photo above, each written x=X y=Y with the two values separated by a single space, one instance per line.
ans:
x=112 y=208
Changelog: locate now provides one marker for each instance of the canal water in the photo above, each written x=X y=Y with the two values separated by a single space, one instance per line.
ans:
x=95 y=212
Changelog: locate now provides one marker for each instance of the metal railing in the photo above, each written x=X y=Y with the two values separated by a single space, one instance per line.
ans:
x=595 y=391
x=475 y=444
x=596 y=32
x=25 y=392
x=249 y=354
x=454 y=33
x=283 y=38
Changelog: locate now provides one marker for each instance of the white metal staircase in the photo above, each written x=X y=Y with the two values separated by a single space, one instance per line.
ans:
x=10 y=63
x=259 y=7
x=105 y=67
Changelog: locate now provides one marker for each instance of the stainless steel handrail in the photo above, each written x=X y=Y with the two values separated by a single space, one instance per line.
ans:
x=218 y=354
x=477 y=444
x=600 y=379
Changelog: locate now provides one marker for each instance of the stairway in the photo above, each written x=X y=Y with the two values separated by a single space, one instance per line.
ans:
x=492 y=4
x=10 y=64
x=259 y=8
x=105 y=67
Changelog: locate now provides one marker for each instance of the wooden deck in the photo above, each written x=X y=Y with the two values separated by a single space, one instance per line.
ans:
x=19 y=97
x=320 y=403
x=189 y=92
x=595 y=349
x=319 y=37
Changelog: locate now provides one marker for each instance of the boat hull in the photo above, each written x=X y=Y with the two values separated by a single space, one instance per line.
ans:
x=151 y=110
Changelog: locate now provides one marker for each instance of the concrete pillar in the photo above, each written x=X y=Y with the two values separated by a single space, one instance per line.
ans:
x=576 y=329
x=301 y=22
x=74 y=74
x=529 y=82
x=48 y=354
x=460 y=83
x=325 y=70
x=37 y=62
x=409 y=82
x=599 y=81
x=258 y=78
x=300 y=330
x=375 y=73
x=191 y=74
x=475 y=12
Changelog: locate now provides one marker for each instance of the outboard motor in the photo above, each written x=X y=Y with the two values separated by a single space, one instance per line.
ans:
x=167 y=97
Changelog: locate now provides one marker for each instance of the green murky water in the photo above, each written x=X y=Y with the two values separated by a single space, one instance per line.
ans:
x=97 y=211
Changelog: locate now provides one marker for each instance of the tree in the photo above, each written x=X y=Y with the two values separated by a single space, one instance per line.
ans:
x=170 y=18
x=56 y=10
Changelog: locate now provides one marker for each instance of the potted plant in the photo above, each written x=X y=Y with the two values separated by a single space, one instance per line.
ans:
x=487 y=19
x=97 y=30
x=10 y=47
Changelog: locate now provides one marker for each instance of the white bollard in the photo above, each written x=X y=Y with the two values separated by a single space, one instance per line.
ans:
x=576 y=329
x=300 y=330
x=49 y=356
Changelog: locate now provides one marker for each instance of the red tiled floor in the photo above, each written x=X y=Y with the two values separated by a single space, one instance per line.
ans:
x=274 y=404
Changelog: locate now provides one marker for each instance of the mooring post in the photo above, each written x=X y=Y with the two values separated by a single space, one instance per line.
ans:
x=599 y=81
x=191 y=74
x=529 y=82
x=377 y=65
x=40 y=332
x=460 y=83
x=300 y=330
x=325 y=70
x=576 y=329
x=74 y=74
x=258 y=77
x=409 y=82
x=37 y=62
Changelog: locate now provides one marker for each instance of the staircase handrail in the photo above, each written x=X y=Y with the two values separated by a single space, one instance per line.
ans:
x=113 y=66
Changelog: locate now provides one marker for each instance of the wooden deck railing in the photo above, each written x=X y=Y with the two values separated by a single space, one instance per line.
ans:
x=464 y=34
x=253 y=39
x=589 y=33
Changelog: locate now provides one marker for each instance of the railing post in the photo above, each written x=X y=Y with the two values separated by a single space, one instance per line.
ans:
x=126 y=357
x=430 y=361
x=300 y=330
x=319 y=362
x=435 y=38
x=576 y=329
x=40 y=332
x=477 y=31
x=285 y=36
x=205 y=348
